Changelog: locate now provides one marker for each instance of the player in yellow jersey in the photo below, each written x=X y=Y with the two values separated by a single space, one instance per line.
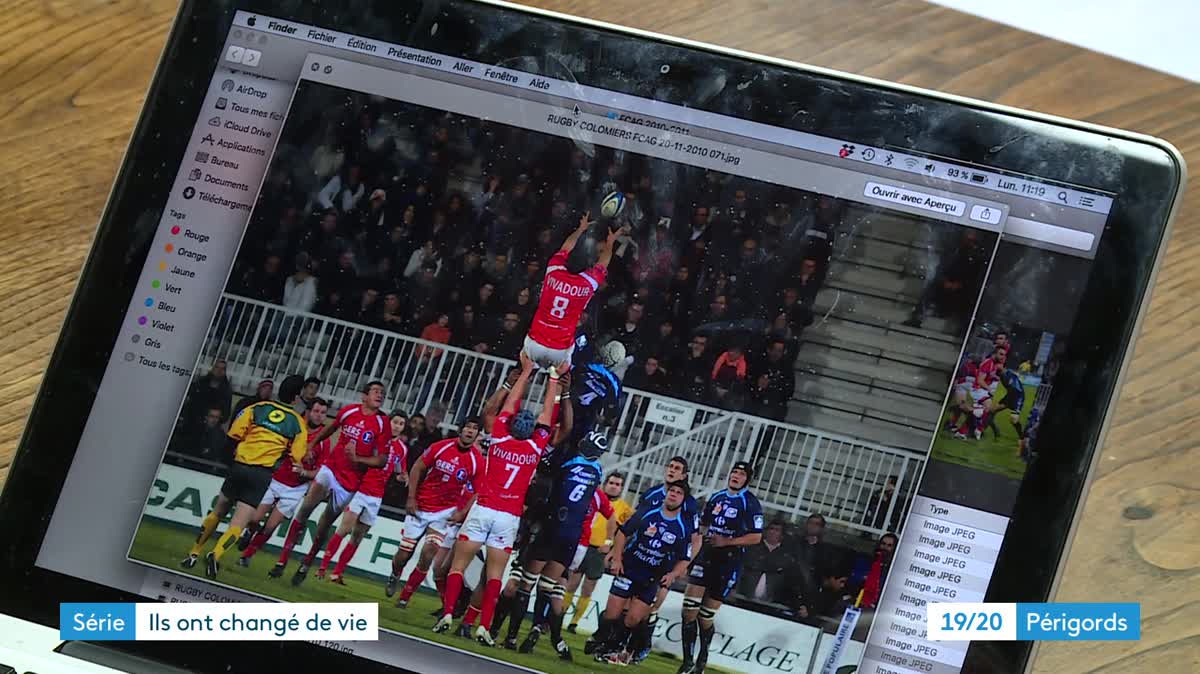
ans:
x=593 y=561
x=264 y=433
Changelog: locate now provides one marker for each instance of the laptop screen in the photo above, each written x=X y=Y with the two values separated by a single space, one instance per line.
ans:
x=844 y=351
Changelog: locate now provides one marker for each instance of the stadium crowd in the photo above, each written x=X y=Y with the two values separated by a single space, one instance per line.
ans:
x=439 y=226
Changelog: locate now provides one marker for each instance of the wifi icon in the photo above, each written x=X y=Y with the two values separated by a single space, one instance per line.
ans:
x=910 y=162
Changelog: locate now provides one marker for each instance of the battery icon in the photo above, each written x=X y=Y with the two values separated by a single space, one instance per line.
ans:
x=978 y=178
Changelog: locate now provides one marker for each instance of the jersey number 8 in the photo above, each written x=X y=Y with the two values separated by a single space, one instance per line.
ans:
x=558 y=307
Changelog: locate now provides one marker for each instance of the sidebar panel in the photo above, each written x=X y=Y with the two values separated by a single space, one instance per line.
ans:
x=166 y=323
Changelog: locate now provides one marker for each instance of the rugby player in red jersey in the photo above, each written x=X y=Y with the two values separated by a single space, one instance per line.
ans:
x=491 y=409
x=518 y=440
x=974 y=395
x=441 y=561
x=539 y=489
x=571 y=281
x=440 y=565
x=362 y=444
x=437 y=483
x=960 y=395
x=289 y=483
x=360 y=515
x=989 y=370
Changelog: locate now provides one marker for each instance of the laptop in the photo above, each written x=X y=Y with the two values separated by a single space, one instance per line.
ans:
x=557 y=340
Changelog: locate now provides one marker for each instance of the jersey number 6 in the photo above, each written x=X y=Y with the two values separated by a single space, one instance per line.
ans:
x=577 y=493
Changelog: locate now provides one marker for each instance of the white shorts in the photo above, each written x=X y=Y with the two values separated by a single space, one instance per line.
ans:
x=962 y=390
x=284 y=498
x=366 y=507
x=339 y=496
x=450 y=536
x=546 y=357
x=415 y=523
x=980 y=394
x=577 y=560
x=493 y=528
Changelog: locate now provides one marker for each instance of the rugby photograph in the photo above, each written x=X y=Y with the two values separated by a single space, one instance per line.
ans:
x=988 y=429
x=568 y=406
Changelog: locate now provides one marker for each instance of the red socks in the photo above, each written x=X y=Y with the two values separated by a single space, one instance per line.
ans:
x=454 y=585
x=335 y=542
x=289 y=543
x=470 y=616
x=491 y=593
x=414 y=581
x=347 y=555
x=255 y=543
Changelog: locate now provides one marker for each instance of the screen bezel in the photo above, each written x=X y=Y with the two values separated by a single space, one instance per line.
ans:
x=1145 y=174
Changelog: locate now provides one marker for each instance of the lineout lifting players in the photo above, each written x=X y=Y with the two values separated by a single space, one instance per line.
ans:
x=518 y=440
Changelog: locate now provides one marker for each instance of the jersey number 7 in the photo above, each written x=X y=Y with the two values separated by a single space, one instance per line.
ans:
x=513 y=471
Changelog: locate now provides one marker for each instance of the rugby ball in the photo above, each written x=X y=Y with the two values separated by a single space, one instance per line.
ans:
x=612 y=205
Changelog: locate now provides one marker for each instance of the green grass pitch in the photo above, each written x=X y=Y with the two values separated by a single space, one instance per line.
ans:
x=165 y=544
x=991 y=454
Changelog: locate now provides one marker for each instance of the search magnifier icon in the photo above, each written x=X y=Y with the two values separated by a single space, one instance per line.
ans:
x=1062 y=196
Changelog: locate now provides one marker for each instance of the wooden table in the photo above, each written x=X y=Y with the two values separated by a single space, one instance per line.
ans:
x=73 y=75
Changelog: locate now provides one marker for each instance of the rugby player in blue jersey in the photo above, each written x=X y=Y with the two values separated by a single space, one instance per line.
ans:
x=676 y=469
x=730 y=521
x=1013 y=400
x=596 y=390
x=650 y=552
x=557 y=547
